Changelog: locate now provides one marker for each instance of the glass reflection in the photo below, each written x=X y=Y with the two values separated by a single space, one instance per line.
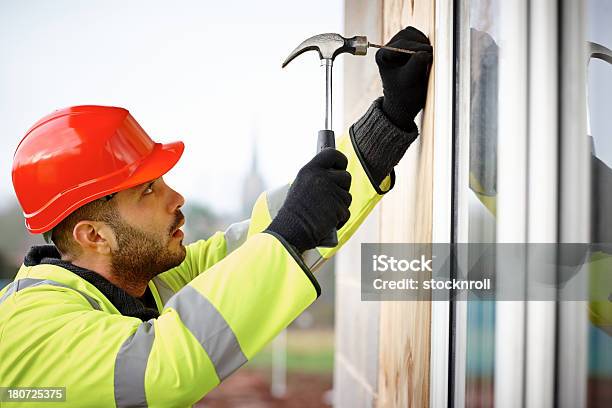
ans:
x=599 y=31
x=484 y=55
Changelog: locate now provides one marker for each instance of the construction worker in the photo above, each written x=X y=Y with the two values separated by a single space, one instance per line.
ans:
x=118 y=311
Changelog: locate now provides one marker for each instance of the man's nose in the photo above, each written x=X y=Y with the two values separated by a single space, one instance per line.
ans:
x=176 y=202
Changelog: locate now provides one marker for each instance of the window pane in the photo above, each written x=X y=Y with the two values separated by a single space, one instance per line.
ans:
x=599 y=30
x=480 y=358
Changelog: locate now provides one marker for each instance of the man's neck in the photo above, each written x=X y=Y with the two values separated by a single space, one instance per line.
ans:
x=135 y=289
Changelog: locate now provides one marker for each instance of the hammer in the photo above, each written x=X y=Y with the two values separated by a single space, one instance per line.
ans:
x=328 y=46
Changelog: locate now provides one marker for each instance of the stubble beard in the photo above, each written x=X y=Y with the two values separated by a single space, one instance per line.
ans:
x=142 y=255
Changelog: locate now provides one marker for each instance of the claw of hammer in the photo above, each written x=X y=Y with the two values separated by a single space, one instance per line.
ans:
x=329 y=45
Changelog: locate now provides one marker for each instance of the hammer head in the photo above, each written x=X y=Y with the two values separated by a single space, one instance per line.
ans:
x=329 y=45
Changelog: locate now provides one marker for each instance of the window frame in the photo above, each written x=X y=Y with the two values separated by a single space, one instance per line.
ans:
x=539 y=94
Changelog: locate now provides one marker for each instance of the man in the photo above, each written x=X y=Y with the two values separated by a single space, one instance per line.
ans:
x=118 y=311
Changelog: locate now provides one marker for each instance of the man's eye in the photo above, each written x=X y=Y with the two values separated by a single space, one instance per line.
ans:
x=148 y=190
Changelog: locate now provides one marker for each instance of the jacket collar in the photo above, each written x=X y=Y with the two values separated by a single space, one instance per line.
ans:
x=143 y=308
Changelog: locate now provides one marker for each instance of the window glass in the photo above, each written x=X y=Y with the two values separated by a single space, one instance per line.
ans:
x=599 y=31
x=483 y=42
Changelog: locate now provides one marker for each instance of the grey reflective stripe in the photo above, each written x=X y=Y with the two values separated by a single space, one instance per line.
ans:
x=236 y=234
x=165 y=291
x=131 y=365
x=9 y=291
x=313 y=259
x=210 y=329
x=24 y=283
x=275 y=199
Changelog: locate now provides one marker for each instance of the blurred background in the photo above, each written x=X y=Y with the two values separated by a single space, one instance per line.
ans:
x=206 y=73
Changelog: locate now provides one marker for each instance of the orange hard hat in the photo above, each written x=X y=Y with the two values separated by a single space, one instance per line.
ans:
x=79 y=154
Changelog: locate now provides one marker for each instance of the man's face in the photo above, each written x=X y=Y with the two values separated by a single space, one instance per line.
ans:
x=149 y=240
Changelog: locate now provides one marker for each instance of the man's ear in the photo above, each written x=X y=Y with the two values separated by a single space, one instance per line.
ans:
x=94 y=236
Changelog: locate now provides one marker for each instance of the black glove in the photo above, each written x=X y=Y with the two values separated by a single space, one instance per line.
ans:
x=404 y=77
x=317 y=202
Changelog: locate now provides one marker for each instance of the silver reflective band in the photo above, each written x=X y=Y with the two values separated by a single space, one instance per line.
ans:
x=165 y=291
x=24 y=283
x=313 y=259
x=210 y=329
x=235 y=235
x=131 y=365
x=10 y=289
x=275 y=199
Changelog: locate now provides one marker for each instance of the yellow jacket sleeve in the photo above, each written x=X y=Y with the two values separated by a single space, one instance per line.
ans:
x=201 y=255
x=364 y=193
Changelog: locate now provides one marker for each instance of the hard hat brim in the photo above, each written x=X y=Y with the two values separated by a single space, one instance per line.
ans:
x=162 y=158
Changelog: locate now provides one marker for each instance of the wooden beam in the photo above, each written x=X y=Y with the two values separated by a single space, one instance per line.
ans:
x=406 y=216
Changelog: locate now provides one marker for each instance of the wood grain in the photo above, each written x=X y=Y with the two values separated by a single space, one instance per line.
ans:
x=406 y=216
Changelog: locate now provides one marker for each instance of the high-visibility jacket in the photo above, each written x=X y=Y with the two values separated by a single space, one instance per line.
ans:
x=231 y=295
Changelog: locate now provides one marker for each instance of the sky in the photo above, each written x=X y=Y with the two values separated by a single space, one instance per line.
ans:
x=207 y=73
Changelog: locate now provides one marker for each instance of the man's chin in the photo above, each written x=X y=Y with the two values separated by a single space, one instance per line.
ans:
x=175 y=260
x=181 y=254
x=174 y=244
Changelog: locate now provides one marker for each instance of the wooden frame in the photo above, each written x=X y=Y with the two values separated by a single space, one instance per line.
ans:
x=406 y=216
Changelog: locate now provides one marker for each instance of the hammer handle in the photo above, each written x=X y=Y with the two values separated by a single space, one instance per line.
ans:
x=326 y=139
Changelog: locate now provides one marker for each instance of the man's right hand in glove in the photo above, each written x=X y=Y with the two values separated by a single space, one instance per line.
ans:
x=387 y=129
x=404 y=76
x=318 y=201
